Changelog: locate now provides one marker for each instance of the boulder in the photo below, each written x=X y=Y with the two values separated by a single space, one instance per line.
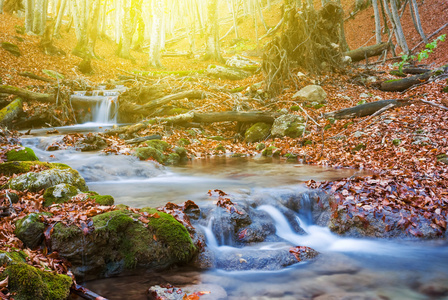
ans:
x=226 y=73
x=91 y=142
x=29 y=283
x=154 y=150
x=26 y=154
x=257 y=132
x=17 y=167
x=120 y=241
x=214 y=292
x=288 y=125
x=30 y=230
x=311 y=93
x=59 y=193
x=36 y=181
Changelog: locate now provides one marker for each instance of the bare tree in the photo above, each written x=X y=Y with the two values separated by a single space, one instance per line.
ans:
x=60 y=8
x=1 y=6
x=416 y=19
x=212 y=33
x=376 y=13
x=156 y=34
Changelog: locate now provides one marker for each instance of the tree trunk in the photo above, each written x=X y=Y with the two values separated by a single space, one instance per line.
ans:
x=399 y=29
x=363 y=52
x=2 y=2
x=6 y=89
x=212 y=35
x=37 y=16
x=61 y=12
x=376 y=13
x=416 y=19
x=364 y=110
x=92 y=27
x=156 y=35
x=405 y=83
x=29 y=6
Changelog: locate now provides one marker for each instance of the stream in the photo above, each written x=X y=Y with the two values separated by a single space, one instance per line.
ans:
x=346 y=268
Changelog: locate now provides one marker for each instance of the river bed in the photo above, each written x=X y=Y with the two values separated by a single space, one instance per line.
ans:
x=346 y=267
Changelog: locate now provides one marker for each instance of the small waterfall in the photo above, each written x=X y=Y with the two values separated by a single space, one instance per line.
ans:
x=102 y=104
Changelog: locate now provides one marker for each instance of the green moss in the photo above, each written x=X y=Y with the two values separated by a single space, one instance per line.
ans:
x=238 y=155
x=291 y=156
x=145 y=153
x=445 y=89
x=30 y=283
x=260 y=146
x=60 y=193
x=26 y=154
x=103 y=199
x=17 y=167
x=30 y=229
x=396 y=142
x=216 y=138
x=115 y=221
x=295 y=130
x=257 y=132
x=192 y=132
x=181 y=151
x=295 y=108
x=64 y=232
x=173 y=159
x=13 y=106
x=158 y=144
x=220 y=147
x=392 y=80
x=238 y=89
x=268 y=151
x=348 y=124
x=308 y=142
x=172 y=233
x=7 y=258
x=359 y=147
x=183 y=142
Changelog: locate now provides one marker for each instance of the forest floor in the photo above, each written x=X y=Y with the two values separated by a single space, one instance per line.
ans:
x=404 y=147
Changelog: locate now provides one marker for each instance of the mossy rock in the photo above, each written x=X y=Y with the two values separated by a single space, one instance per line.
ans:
x=173 y=159
x=396 y=142
x=35 y=182
x=291 y=156
x=17 y=167
x=26 y=154
x=257 y=132
x=176 y=111
x=181 y=151
x=268 y=151
x=295 y=130
x=107 y=200
x=8 y=258
x=120 y=241
x=220 y=147
x=145 y=153
x=260 y=146
x=30 y=283
x=216 y=138
x=30 y=230
x=288 y=125
x=158 y=144
x=183 y=142
x=358 y=147
x=60 y=193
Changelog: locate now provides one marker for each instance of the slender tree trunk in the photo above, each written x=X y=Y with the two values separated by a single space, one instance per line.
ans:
x=416 y=19
x=38 y=16
x=29 y=5
x=342 y=39
x=212 y=36
x=383 y=13
x=2 y=2
x=399 y=29
x=376 y=13
x=61 y=12
x=156 y=34
x=234 y=16
x=192 y=27
x=118 y=16
x=79 y=18
x=92 y=27
x=260 y=11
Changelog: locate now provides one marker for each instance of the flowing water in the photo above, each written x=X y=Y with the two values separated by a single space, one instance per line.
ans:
x=346 y=267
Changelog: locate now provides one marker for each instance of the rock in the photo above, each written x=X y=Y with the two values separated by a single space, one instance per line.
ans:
x=17 y=167
x=260 y=146
x=91 y=142
x=334 y=264
x=11 y=48
x=311 y=93
x=348 y=296
x=154 y=149
x=120 y=241
x=102 y=199
x=226 y=73
x=257 y=132
x=213 y=292
x=59 y=193
x=30 y=230
x=34 y=181
x=28 y=282
x=26 y=154
x=288 y=125
x=435 y=288
x=237 y=61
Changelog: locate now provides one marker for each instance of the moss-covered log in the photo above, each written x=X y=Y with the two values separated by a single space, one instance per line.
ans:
x=399 y=85
x=29 y=95
x=10 y=112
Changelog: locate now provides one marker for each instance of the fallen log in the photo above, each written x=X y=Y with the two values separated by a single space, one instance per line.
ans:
x=143 y=139
x=399 y=85
x=148 y=107
x=193 y=117
x=363 y=52
x=10 y=112
x=37 y=77
x=366 y=109
x=29 y=95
